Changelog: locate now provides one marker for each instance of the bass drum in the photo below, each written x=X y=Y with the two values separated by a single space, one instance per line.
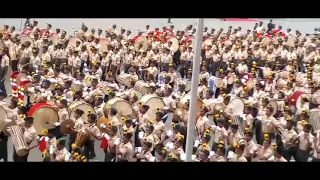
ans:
x=154 y=102
x=3 y=117
x=295 y=98
x=237 y=105
x=86 y=108
x=122 y=106
x=186 y=98
x=141 y=87
x=43 y=114
x=124 y=79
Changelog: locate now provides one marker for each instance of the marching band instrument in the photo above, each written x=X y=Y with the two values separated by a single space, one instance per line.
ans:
x=314 y=119
x=17 y=137
x=218 y=106
x=81 y=139
x=295 y=99
x=76 y=87
x=53 y=84
x=237 y=104
x=124 y=79
x=107 y=89
x=315 y=97
x=185 y=82
x=154 y=102
x=3 y=117
x=218 y=82
x=88 y=80
x=176 y=117
x=102 y=121
x=64 y=129
x=175 y=44
x=141 y=86
x=42 y=115
x=187 y=98
x=122 y=106
x=86 y=108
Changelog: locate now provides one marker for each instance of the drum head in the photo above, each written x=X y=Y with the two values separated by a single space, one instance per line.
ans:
x=87 y=81
x=218 y=82
x=86 y=108
x=43 y=114
x=3 y=117
x=122 y=106
x=25 y=38
x=107 y=90
x=63 y=126
x=238 y=106
x=155 y=103
x=22 y=152
x=187 y=98
x=75 y=87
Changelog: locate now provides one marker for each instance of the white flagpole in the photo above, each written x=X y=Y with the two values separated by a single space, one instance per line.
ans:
x=194 y=89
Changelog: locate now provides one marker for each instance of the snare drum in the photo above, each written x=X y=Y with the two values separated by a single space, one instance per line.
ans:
x=154 y=102
x=81 y=139
x=18 y=140
x=122 y=106
x=141 y=86
x=86 y=108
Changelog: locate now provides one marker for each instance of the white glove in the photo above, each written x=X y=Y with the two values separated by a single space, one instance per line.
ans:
x=51 y=150
x=140 y=135
x=179 y=113
x=169 y=133
x=57 y=124
x=103 y=125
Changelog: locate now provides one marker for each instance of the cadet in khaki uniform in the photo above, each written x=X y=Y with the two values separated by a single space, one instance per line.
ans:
x=145 y=155
x=250 y=146
x=289 y=135
x=202 y=122
x=233 y=135
x=99 y=105
x=78 y=126
x=61 y=152
x=30 y=135
x=305 y=140
x=219 y=155
x=125 y=149
x=277 y=157
x=239 y=154
x=159 y=126
x=113 y=142
x=220 y=133
x=94 y=133
x=264 y=152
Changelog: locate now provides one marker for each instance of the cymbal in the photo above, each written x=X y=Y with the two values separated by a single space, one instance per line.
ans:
x=64 y=124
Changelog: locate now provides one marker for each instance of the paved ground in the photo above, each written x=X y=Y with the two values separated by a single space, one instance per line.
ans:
x=304 y=25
